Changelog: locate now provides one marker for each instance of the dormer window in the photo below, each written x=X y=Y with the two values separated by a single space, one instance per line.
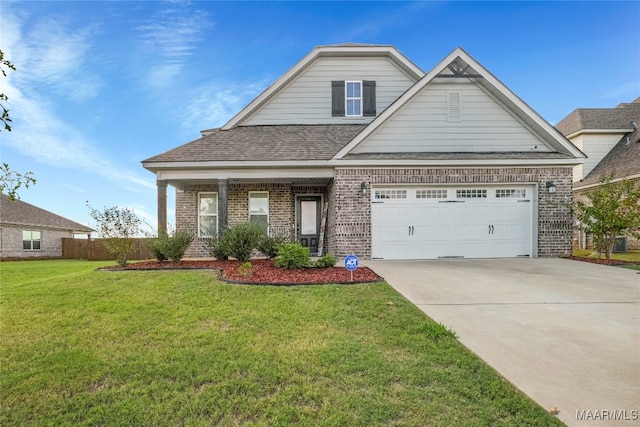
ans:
x=353 y=98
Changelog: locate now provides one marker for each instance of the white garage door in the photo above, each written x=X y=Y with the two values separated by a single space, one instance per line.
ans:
x=443 y=222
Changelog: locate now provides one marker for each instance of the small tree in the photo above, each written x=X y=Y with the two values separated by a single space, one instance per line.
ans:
x=3 y=98
x=611 y=209
x=118 y=227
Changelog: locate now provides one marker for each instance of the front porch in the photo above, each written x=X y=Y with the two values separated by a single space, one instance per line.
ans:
x=292 y=206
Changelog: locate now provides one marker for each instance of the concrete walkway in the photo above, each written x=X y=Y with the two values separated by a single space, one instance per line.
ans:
x=566 y=333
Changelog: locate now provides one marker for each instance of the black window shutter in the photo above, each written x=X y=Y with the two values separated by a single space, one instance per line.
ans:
x=337 y=98
x=368 y=98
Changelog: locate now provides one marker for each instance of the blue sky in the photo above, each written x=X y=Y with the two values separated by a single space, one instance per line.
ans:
x=101 y=86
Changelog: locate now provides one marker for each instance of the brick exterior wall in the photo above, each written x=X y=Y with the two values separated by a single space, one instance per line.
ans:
x=50 y=243
x=348 y=227
x=349 y=224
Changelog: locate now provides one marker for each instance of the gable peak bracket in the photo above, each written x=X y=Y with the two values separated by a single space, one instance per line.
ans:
x=459 y=69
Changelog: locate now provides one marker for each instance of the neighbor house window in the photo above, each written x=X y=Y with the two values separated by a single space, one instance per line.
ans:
x=207 y=214
x=31 y=240
x=259 y=207
x=353 y=98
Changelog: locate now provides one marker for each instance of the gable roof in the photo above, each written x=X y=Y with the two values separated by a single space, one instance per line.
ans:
x=265 y=143
x=459 y=64
x=616 y=120
x=624 y=158
x=340 y=50
x=17 y=212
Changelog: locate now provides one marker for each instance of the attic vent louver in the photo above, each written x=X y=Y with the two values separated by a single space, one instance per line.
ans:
x=454 y=113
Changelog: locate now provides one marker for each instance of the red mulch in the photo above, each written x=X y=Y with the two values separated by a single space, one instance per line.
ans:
x=263 y=271
x=600 y=260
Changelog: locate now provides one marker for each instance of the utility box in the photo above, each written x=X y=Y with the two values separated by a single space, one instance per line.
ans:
x=620 y=245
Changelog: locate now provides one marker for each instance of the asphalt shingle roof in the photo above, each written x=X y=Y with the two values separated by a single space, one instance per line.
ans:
x=600 y=118
x=264 y=143
x=17 y=212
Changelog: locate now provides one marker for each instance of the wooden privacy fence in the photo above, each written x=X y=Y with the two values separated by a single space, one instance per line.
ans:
x=94 y=250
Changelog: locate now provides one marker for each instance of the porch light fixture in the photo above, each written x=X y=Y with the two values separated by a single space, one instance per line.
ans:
x=551 y=187
x=363 y=188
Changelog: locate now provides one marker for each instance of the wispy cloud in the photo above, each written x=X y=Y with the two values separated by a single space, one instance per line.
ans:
x=170 y=38
x=212 y=106
x=51 y=54
x=628 y=90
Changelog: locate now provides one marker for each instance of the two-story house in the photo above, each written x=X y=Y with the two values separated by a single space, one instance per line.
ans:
x=611 y=140
x=401 y=164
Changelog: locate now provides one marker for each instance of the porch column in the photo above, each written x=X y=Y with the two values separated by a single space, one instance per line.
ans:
x=162 y=205
x=222 y=204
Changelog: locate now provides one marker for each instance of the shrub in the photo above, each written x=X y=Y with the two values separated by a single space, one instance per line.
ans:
x=242 y=238
x=293 y=255
x=218 y=246
x=326 y=261
x=118 y=228
x=171 y=247
x=177 y=245
x=245 y=269
x=156 y=246
x=270 y=245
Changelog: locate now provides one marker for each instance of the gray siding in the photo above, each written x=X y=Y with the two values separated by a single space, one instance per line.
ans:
x=423 y=125
x=307 y=99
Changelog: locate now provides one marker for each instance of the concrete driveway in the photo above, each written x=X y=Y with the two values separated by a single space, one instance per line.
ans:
x=566 y=333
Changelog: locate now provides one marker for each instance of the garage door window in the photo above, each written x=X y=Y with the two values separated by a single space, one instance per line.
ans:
x=390 y=194
x=511 y=192
x=473 y=193
x=431 y=194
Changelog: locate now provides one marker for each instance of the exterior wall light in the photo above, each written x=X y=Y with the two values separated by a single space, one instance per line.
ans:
x=363 y=188
x=551 y=187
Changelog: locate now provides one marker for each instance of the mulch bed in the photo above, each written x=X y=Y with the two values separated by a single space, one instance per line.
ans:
x=263 y=271
x=600 y=260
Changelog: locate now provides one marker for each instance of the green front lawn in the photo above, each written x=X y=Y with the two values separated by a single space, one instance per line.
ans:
x=81 y=347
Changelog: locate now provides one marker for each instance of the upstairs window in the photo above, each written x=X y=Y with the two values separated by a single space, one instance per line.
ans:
x=31 y=240
x=353 y=98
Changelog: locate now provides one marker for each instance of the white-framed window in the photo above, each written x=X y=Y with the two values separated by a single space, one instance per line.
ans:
x=471 y=194
x=431 y=194
x=390 y=194
x=511 y=193
x=31 y=240
x=207 y=214
x=353 y=99
x=259 y=207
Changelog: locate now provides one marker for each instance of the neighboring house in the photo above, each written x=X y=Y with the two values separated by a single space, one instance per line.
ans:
x=26 y=231
x=611 y=139
x=406 y=164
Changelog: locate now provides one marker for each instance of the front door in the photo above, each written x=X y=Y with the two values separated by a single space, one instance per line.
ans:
x=308 y=215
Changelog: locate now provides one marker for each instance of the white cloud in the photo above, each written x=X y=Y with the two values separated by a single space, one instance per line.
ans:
x=44 y=54
x=170 y=38
x=50 y=54
x=628 y=90
x=211 y=107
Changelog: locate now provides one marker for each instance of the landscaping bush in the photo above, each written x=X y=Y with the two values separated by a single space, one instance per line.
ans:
x=218 y=246
x=293 y=255
x=171 y=247
x=118 y=228
x=270 y=245
x=156 y=245
x=242 y=238
x=326 y=261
